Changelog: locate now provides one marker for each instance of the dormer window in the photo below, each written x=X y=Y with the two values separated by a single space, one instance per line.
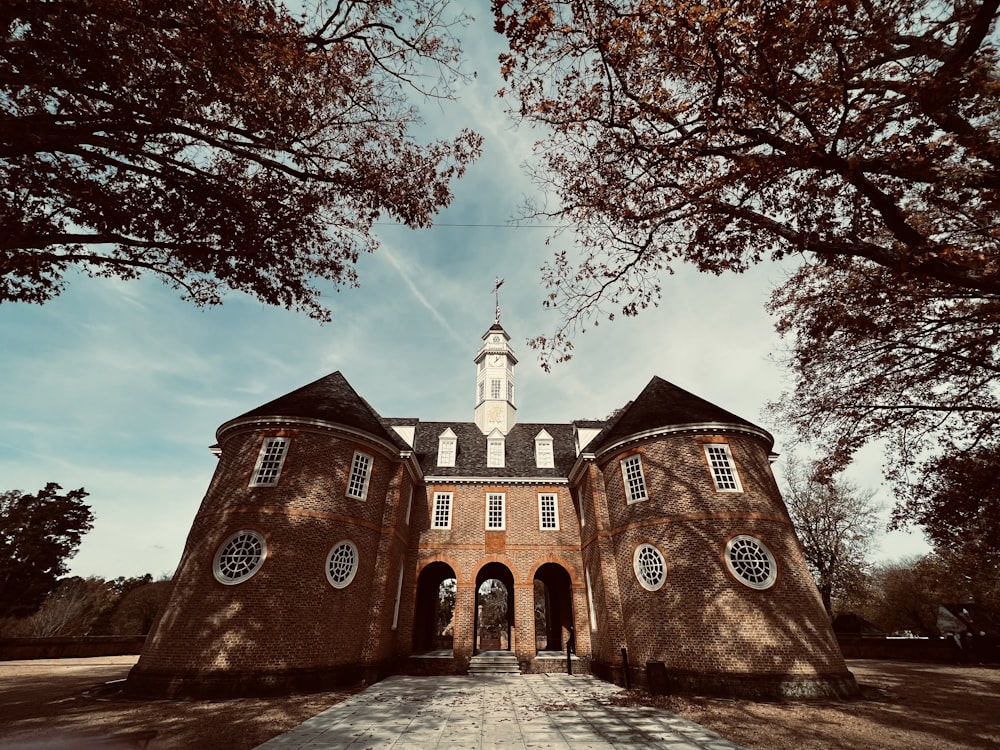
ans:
x=447 y=448
x=495 y=450
x=543 y=450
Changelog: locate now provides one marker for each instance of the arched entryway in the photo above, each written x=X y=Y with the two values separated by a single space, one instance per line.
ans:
x=553 y=607
x=433 y=623
x=494 y=608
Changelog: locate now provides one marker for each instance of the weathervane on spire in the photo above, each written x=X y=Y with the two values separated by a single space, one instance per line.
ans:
x=496 y=296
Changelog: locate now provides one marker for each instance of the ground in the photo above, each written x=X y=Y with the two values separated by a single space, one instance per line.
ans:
x=58 y=703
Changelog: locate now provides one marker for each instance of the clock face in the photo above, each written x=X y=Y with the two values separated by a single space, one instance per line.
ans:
x=497 y=360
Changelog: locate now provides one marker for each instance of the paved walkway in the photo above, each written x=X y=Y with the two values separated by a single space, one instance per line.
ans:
x=504 y=712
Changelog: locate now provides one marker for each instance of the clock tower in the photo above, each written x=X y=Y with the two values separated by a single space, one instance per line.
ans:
x=495 y=382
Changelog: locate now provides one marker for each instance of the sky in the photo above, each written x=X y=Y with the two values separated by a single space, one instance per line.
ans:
x=118 y=387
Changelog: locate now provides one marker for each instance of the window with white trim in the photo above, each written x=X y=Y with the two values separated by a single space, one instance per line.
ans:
x=510 y=391
x=342 y=564
x=649 y=566
x=495 y=452
x=544 y=458
x=590 y=601
x=720 y=459
x=409 y=506
x=441 y=516
x=361 y=471
x=751 y=562
x=269 y=462
x=635 y=481
x=239 y=557
x=447 y=448
x=496 y=518
x=495 y=388
x=548 y=511
x=399 y=596
x=482 y=385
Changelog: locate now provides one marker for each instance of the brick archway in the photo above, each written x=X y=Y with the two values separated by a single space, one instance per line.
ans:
x=553 y=594
x=494 y=608
x=430 y=628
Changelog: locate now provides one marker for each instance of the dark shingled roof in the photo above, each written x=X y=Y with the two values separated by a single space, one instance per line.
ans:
x=331 y=399
x=663 y=404
x=519 y=450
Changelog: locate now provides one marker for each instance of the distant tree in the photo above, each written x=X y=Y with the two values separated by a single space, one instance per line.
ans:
x=493 y=605
x=118 y=589
x=218 y=145
x=71 y=608
x=837 y=524
x=445 y=610
x=724 y=134
x=39 y=533
x=138 y=609
x=907 y=596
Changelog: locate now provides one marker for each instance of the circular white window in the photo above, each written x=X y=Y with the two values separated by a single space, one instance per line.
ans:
x=239 y=557
x=650 y=567
x=342 y=564
x=749 y=559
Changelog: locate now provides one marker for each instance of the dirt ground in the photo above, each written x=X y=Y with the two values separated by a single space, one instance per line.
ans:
x=67 y=703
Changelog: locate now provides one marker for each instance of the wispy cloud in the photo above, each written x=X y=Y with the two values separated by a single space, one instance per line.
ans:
x=408 y=275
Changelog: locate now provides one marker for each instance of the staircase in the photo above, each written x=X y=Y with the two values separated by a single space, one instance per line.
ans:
x=494 y=663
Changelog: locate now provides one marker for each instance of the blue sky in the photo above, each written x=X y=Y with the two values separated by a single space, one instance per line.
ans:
x=119 y=386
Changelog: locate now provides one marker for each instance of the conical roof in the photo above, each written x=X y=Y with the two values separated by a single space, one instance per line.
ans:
x=663 y=404
x=330 y=399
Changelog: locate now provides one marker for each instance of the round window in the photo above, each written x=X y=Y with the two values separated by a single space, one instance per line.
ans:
x=342 y=564
x=650 y=567
x=239 y=557
x=749 y=559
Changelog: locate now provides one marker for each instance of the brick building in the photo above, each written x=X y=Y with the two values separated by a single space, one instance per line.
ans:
x=334 y=545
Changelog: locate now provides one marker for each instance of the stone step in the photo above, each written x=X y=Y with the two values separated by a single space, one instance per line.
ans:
x=494 y=662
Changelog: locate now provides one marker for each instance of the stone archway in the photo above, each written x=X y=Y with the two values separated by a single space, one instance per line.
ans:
x=494 y=613
x=433 y=622
x=553 y=607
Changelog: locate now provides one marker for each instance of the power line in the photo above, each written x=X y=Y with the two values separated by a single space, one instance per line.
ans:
x=488 y=226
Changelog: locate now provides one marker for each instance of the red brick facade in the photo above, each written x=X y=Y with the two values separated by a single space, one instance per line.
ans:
x=287 y=626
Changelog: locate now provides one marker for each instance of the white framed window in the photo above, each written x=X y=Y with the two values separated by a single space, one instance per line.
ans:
x=720 y=459
x=447 y=448
x=650 y=567
x=399 y=596
x=495 y=453
x=635 y=481
x=239 y=557
x=269 y=462
x=361 y=471
x=482 y=385
x=590 y=601
x=441 y=516
x=751 y=562
x=495 y=388
x=548 y=511
x=409 y=506
x=510 y=391
x=544 y=458
x=496 y=511
x=342 y=564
